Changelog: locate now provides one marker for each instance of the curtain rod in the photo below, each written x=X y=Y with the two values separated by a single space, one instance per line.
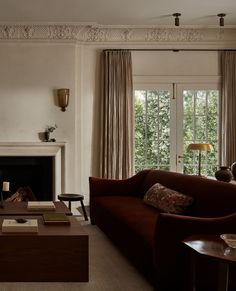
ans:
x=173 y=50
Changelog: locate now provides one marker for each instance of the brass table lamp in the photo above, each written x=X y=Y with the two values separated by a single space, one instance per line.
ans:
x=200 y=147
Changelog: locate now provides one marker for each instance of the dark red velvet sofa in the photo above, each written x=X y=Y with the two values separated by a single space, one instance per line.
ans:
x=152 y=240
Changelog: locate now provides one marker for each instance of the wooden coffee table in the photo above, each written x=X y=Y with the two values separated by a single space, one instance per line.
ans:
x=214 y=247
x=20 y=208
x=57 y=253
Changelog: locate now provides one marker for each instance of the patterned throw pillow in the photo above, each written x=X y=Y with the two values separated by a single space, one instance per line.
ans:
x=167 y=200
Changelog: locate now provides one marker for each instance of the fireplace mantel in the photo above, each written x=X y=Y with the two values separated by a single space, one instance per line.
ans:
x=55 y=149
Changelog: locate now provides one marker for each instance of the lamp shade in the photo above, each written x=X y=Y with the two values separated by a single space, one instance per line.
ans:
x=200 y=146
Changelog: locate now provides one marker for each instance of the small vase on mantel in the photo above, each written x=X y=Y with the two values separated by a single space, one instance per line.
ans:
x=47 y=136
x=224 y=174
x=233 y=170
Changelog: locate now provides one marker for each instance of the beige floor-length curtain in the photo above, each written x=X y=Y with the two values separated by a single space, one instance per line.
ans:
x=116 y=144
x=228 y=107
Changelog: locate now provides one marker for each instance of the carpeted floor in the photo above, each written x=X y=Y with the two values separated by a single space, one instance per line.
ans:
x=109 y=270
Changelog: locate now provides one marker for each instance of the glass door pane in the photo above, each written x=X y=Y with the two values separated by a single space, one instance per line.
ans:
x=153 y=129
x=199 y=119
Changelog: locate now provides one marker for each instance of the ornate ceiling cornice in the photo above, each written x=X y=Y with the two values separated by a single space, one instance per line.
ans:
x=112 y=34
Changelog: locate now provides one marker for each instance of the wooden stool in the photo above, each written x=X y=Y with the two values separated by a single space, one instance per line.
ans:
x=73 y=197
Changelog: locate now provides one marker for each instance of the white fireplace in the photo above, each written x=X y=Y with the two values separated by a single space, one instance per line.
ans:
x=56 y=150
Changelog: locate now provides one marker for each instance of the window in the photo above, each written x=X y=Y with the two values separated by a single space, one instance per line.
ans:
x=152 y=129
x=165 y=123
x=200 y=125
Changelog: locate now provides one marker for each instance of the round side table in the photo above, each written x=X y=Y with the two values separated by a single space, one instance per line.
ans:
x=213 y=247
x=73 y=197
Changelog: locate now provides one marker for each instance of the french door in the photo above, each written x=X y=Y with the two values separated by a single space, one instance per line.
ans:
x=168 y=117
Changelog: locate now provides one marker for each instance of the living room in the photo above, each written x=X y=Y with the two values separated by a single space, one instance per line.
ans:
x=44 y=49
x=39 y=59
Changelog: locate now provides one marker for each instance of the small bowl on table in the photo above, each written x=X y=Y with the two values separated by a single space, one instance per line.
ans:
x=229 y=239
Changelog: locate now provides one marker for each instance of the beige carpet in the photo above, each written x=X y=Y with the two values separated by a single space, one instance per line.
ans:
x=109 y=270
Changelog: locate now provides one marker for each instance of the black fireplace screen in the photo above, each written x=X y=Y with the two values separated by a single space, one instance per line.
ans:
x=33 y=172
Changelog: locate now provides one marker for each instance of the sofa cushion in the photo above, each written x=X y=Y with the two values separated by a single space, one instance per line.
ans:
x=167 y=200
x=132 y=213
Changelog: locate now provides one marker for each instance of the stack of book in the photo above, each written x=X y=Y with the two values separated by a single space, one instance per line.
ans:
x=41 y=205
x=11 y=225
x=55 y=218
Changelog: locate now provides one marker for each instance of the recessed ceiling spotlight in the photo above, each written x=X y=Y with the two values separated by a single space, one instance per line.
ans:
x=221 y=19
x=176 y=15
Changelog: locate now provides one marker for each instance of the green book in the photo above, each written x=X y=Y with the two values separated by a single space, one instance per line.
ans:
x=55 y=218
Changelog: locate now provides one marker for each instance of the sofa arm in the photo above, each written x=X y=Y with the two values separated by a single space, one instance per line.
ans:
x=108 y=187
x=186 y=225
x=170 y=257
x=171 y=229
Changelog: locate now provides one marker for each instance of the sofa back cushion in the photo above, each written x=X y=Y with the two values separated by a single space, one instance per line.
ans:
x=167 y=200
x=211 y=198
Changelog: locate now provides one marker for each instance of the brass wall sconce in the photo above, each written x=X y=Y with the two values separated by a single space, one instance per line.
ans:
x=63 y=98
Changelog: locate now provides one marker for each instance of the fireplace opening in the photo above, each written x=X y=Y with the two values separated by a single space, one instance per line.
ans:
x=34 y=172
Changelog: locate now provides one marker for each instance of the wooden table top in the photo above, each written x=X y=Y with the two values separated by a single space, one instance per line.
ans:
x=20 y=208
x=212 y=246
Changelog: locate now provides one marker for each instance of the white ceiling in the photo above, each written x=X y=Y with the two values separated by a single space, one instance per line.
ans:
x=118 y=12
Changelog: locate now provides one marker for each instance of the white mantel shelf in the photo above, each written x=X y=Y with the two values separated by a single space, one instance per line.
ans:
x=31 y=148
x=55 y=149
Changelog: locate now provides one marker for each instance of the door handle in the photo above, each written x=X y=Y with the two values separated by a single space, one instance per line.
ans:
x=178 y=158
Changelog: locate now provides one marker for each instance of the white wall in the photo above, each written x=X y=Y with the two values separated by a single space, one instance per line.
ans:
x=30 y=72
x=169 y=63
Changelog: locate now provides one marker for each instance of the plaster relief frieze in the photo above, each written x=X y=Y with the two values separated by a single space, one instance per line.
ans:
x=63 y=32
x=221 y=34
x=226 y=35
x=126 y=35
x=7 y=32
x=118 y=34
x=95 y=34
x=166 y=35
x=28 y=32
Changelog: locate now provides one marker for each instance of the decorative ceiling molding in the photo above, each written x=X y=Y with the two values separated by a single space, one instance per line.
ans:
x=129 y=35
